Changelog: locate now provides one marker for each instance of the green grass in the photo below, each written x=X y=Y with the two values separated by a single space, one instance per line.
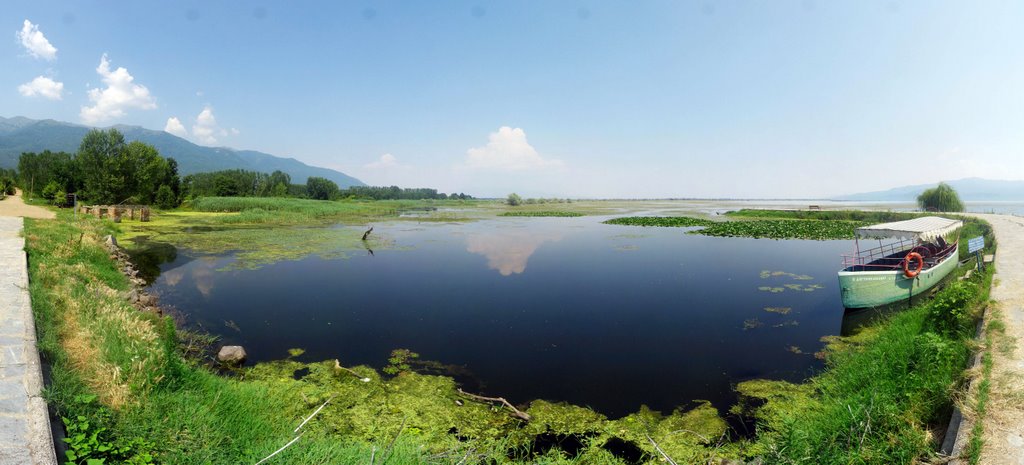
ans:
x=542 y=213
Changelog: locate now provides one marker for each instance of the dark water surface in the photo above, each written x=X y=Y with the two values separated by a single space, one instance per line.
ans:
x=565 y=309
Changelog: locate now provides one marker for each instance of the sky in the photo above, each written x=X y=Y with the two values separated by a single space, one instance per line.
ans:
x=610 y=99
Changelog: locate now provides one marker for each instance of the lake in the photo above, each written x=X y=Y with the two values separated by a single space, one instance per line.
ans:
x=564 y=309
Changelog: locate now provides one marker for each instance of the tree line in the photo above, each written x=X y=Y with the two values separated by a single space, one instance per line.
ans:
x=398 y=193
x=108 y=170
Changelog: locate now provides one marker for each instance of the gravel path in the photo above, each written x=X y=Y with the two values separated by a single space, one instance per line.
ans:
x=1004 y=421
x=13 y=205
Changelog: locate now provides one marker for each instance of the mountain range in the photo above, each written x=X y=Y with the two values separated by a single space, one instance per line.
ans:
x=969 y=189
x=20 y=134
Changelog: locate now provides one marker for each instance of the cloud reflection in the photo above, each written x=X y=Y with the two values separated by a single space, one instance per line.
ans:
x=509 y=250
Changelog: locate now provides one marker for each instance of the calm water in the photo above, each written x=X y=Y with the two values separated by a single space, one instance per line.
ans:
x=556 y=308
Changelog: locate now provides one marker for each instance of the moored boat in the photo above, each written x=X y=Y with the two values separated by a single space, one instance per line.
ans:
x=912 y=256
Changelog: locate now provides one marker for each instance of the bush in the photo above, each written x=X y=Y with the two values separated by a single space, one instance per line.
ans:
x=514 y=199
x=50 y=191
x=950 y=311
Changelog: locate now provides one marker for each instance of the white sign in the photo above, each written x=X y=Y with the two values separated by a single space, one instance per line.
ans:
x=976 y=244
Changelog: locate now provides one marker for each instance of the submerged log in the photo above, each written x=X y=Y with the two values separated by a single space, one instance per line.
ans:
x=367 y=233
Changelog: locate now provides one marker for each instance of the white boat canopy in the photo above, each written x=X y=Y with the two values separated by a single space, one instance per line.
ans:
x=925 y=228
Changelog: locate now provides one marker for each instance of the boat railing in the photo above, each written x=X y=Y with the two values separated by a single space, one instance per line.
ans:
x=878 y=257
x=889 y=256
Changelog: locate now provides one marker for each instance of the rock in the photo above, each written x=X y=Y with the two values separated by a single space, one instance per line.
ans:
x=110 y=240
x=132 y=296
x=231 y=355
x=148 y=300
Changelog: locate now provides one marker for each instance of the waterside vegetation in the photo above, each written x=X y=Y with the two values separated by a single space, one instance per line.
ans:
x=125 y=375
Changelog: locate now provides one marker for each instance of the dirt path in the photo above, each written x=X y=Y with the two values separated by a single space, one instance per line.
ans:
x=13 y=205
x=1004 y=422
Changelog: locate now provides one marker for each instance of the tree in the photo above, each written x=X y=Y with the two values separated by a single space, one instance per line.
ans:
x=165 y=197
x=514 y=199
x=94 y=157
x=941 y=198
x=320 y=188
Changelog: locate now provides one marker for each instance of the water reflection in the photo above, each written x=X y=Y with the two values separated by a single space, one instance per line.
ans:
x=509 y=250
x=200 y=273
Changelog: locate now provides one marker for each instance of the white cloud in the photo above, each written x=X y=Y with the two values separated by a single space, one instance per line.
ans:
x=121 y=93
x=205 y=129
x=508 y=150
x=384 y=162
x=35 y=42
x=175 y=127
x=43 y=87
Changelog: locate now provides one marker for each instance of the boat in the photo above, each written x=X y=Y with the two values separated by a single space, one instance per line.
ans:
x=912 y=256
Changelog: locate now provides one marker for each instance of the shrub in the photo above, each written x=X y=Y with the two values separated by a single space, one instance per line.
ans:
x=50 y=191
x=514 y=199
x=950 y=311
x=165 y=198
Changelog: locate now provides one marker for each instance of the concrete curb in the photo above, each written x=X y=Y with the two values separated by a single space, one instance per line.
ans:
x=25 y=436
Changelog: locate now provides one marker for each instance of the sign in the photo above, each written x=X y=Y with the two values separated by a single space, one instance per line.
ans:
x=976 y=244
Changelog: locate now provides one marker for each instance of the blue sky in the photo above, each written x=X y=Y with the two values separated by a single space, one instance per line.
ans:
x=554 y=98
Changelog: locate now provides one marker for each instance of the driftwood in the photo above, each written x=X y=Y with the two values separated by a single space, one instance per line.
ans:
x=367 y=233
x=337 y=366
x=518 y=413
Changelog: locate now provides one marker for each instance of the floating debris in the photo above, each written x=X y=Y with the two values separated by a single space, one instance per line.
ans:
x=787 y=323
x=779 y=310
x=751 y=323
x=794 y=349
x=231 y=324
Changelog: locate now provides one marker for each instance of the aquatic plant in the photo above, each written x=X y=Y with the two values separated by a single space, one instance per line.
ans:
x=541 y=213
x=779 y=310
x=661 y=221
x=770 y=229
x=783 y=229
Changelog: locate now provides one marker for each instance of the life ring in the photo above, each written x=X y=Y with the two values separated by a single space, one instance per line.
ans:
x=907 y=271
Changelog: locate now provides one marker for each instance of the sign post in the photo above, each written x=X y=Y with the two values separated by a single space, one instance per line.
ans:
x=975 y=246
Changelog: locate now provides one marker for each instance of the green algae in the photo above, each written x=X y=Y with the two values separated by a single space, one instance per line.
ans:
x=432 y=411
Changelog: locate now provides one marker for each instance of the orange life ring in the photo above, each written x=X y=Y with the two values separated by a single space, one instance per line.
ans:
x=910 y=273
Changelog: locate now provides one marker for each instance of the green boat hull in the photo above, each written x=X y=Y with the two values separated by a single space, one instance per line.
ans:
x=863 y=289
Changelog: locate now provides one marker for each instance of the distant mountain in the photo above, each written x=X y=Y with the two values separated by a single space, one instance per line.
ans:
x=970 y=189
x=20 y=134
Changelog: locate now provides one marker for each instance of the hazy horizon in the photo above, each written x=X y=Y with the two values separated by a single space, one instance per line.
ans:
x=784 y=100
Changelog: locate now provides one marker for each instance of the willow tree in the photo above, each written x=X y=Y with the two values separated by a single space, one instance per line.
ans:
x=941 y=198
